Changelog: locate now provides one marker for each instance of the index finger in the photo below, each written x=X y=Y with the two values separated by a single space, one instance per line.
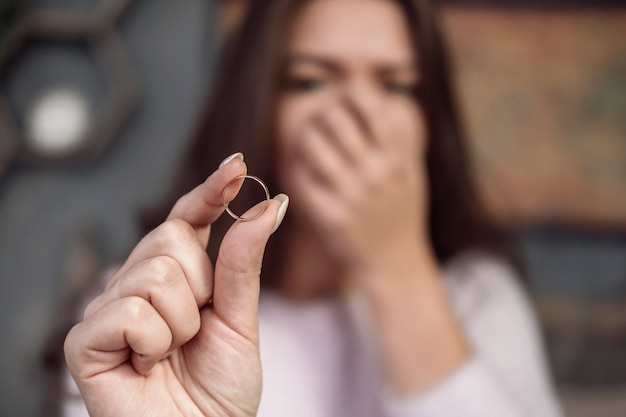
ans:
x=203 y=205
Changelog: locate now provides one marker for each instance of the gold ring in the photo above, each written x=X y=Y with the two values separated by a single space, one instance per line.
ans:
x=245 y=219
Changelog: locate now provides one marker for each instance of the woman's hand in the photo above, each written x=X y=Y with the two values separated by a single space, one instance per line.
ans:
x=363 y=185
x=364 y=182
x=172 y=335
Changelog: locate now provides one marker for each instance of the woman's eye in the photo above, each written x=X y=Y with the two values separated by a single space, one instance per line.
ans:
x=307 y=84
x=405 y=89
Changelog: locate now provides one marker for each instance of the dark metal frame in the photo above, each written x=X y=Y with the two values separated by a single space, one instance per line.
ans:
x=97 y=29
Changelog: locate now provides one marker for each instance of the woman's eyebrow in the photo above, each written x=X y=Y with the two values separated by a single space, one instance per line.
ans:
x=325 y=63
x=410 y=68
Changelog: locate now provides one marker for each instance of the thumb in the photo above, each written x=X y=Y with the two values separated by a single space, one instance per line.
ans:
x=238 y=266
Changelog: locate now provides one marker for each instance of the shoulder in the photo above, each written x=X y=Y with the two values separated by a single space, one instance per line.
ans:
x=494 y=310
x=480 y=268
x=490 y=302
x=497 y=316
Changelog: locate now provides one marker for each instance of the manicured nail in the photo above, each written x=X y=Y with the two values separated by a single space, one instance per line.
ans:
x=237 y=155
x=282 y=210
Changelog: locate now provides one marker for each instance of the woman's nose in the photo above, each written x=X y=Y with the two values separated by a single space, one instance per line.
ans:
x=363 y=97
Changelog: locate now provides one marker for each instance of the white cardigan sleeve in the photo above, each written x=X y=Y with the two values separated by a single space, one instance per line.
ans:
x=507 y=374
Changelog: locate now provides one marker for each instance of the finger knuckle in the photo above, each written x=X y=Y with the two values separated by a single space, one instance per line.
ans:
x=243 y=264
x=164 y=271
x=136 y=310
x=175 y=232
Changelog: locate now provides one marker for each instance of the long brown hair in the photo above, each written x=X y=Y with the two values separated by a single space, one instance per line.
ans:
x=241 y=110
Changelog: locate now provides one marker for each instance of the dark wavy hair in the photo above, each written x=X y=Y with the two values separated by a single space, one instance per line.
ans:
x=241 y=111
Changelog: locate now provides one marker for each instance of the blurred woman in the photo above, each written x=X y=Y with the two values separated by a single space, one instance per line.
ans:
x=386 y=291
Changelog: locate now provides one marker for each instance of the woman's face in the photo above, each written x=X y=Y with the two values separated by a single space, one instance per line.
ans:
x=353 y=55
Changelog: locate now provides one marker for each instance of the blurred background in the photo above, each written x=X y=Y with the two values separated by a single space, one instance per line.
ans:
x=98 y=99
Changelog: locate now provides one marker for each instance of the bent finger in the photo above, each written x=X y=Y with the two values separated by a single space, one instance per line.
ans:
x=161 y=282
x=175 y=239
x=129 y=328
x=203 y=205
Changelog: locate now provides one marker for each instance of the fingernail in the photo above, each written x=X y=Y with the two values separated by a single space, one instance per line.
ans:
x=237 y=155
x=282 y=210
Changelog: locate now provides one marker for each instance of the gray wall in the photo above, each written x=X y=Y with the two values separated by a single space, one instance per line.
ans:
x=169 y=43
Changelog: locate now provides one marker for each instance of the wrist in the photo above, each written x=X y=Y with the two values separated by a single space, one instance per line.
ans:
x=410 y=266
x=420 y=340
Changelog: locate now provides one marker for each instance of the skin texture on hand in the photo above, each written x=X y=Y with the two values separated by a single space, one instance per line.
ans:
x=365 y=188
x=172 y=335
